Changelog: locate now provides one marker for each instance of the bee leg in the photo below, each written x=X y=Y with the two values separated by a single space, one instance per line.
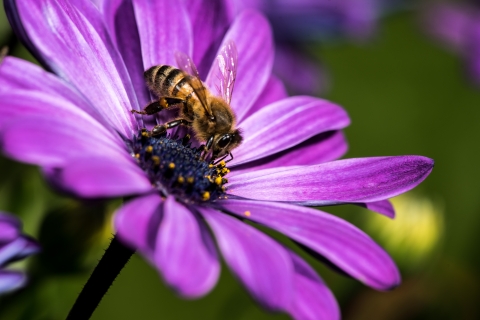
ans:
x=231 y=157
x=162 y=128
x=207 y=147
x=217 y=161
x=157 y=106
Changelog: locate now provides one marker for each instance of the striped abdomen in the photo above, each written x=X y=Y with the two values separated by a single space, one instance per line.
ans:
x=168 y=81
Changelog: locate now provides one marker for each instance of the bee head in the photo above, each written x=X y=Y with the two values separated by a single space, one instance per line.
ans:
x=225 y=143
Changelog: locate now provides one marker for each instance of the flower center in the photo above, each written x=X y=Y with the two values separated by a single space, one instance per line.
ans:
x=175 y=168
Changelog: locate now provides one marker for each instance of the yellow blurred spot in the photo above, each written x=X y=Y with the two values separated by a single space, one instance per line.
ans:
x=181 y=179
x=149 y=149
x=156 y=160
x=190 y=179
x=415 y=231
x=206 y=196
x=171 y=165
x=248 y=213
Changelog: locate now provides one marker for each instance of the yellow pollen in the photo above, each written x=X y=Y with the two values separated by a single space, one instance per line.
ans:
x=190 y=179
x=181 y=179
x=225 y=171
x=210 y=165
x=144 y=134
x=248 y=213
x=221 y=164
x=218 y=180
x=137 y=155
x=149 y=149
x=206 y=196
x=171 y=165
x=156 y=160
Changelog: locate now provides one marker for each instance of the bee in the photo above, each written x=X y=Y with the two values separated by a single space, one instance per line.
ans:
x=208 y=115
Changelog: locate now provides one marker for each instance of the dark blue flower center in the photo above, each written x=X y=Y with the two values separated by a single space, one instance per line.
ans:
x=175 y=168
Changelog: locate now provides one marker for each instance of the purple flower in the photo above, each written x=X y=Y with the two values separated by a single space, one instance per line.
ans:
x=77 y=125
x=458 y=27
x=13 y=246
x=298 y=22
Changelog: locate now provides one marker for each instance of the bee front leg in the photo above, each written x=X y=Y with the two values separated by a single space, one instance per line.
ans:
x=207 y=147
x=157 y=106
x=162 y=128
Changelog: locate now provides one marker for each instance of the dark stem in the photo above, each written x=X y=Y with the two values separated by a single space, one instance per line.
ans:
x=112 y=262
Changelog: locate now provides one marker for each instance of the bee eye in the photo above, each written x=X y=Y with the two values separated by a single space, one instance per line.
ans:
x=224 y=141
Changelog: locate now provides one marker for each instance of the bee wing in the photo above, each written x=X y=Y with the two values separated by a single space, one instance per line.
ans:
x=226 y=70
x=186 y=64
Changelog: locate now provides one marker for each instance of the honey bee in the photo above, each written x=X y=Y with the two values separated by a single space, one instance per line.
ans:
x=210 y=116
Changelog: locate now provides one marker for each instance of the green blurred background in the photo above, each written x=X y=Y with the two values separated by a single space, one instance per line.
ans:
x=405 y=95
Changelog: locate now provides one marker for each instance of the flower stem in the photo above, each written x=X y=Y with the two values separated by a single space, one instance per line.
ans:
x=112 y=262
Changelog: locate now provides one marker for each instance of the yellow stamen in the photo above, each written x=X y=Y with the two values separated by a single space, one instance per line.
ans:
x=149 y=149
x=156 y=160
x=190 y=180
x=218 y=180
x=137 y=155
x=181 y=179
x=206 y=196
x=171 y=165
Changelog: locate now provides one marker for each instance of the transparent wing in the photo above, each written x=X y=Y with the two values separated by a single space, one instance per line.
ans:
x=186 y=64
x=226 y=70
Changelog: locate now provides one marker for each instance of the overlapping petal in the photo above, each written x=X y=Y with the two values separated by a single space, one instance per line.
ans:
x=119 y=17
x=209 y=25
x=338 y=241
x=73 y=41
x=184 y=251
x=169 y=16
x=253 y=37
x=285 y=124
x=312 y=298
x=342 y=181
x=99 y=177
x=262 y=265
x=11 y=280
x=47 y=141
x=137 y=222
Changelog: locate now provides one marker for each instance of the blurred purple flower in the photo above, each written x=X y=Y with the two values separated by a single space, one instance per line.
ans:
x=296 y=23
x=77 y=126
x=457 y=26
x=14 y=246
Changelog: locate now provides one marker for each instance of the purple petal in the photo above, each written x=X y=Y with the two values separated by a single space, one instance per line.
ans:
x=53 y=142
x=273 y=92
x=342 y=181
x=210 y=23
x=384 y=207
x=286 y=123
x=321 y=148
x=313 y=300
x=11 y=280
x=120 y=20
x=184 y=252
x=450 y=24
x=301 y=73
x=164 y=28
x=22 y=79
x=338 y=241
x=262 y=265
x=74 y=43
x=102 y=177
x=9 y=227
x=16 y=249
x=253 y=37
x=135 y=219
